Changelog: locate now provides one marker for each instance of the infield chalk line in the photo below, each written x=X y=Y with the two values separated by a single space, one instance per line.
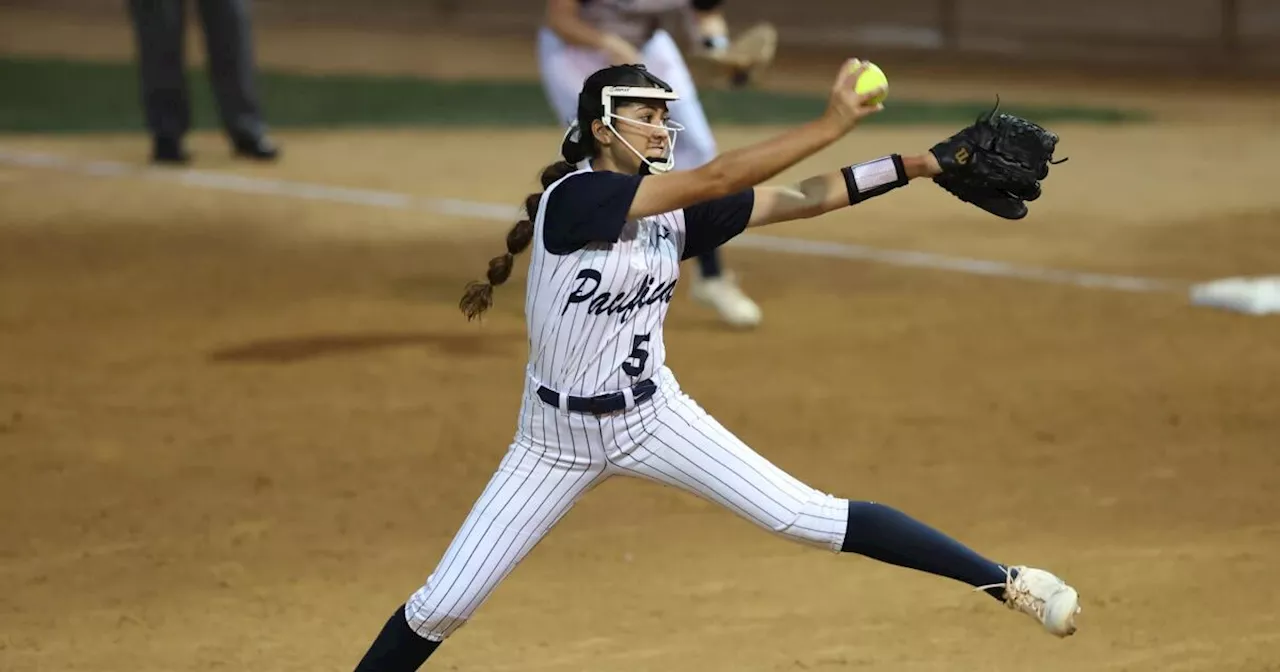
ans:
x=494 y=212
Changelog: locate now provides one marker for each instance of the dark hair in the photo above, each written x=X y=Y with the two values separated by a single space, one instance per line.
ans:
x=478 y=296
x=579 y=144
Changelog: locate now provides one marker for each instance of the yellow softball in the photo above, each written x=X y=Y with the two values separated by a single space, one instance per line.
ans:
x=871 y=79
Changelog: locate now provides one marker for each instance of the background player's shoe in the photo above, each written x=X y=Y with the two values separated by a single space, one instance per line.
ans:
x=1044 y=597
x=256 y=147
x=168 y=152
x=723 y=294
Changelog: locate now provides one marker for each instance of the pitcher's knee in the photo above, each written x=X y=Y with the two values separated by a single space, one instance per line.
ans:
x=821 y=520
x=433 y=616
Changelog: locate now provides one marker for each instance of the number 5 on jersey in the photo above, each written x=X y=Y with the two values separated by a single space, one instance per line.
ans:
x=634 y=365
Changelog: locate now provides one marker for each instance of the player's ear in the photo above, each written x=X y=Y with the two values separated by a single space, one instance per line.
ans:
x=602 y=134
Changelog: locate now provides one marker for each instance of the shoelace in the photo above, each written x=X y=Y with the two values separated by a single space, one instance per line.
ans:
x=1017 y=597
x=1007 y=585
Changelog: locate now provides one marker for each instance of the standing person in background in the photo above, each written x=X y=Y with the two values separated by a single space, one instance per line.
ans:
x=583 y=36
x=159 y=27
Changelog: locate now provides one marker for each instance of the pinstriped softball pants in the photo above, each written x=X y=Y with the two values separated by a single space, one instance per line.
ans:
x=558 y=456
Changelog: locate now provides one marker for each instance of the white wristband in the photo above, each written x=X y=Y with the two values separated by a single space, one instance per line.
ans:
x=870 y=179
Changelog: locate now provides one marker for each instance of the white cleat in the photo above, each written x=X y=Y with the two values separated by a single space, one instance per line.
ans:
x=724 y=295
x=1044 y=597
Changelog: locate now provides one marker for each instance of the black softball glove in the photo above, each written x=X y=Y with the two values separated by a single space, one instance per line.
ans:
x=996 y=163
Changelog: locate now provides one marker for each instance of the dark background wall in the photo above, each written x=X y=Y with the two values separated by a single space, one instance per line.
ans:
x=1243 y=35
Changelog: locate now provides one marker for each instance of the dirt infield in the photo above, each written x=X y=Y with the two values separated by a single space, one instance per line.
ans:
x=238 y=429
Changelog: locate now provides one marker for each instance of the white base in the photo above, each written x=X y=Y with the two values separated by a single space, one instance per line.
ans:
x=1253 y=296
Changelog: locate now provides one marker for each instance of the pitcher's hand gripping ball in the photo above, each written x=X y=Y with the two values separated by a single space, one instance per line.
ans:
x=996 y=163
x=871 y=79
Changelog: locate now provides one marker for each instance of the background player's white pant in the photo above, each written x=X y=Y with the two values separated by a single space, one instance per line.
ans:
x=558 y=456
x=565 y=67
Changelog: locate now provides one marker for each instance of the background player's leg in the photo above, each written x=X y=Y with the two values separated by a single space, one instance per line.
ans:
x=229 y=44
x=532 y=489
x=687 y=448
x=158 y=30
x=563 y=69
x=695 y=146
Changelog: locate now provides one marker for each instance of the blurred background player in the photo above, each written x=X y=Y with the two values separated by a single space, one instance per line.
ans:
x=583 y=36
x=160 y=29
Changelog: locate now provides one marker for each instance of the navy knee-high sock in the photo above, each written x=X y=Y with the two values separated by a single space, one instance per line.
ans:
x=886 y=534
x=709 y=264
x=397 y=649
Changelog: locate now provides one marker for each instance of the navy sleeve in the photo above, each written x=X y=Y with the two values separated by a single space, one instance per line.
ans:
x=711 y=224
x=587 y=208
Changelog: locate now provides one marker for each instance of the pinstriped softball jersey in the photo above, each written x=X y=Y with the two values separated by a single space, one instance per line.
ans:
x=595 y=315
x=599 y=287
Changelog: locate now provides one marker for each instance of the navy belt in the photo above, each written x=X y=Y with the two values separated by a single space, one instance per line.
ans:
x=600 y=405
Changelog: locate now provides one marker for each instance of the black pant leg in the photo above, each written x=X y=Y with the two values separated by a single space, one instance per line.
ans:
x=229 y=44
x=158 y=31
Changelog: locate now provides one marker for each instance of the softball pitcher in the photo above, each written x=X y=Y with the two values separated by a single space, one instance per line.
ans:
x=606 y=238
x=582 y=36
